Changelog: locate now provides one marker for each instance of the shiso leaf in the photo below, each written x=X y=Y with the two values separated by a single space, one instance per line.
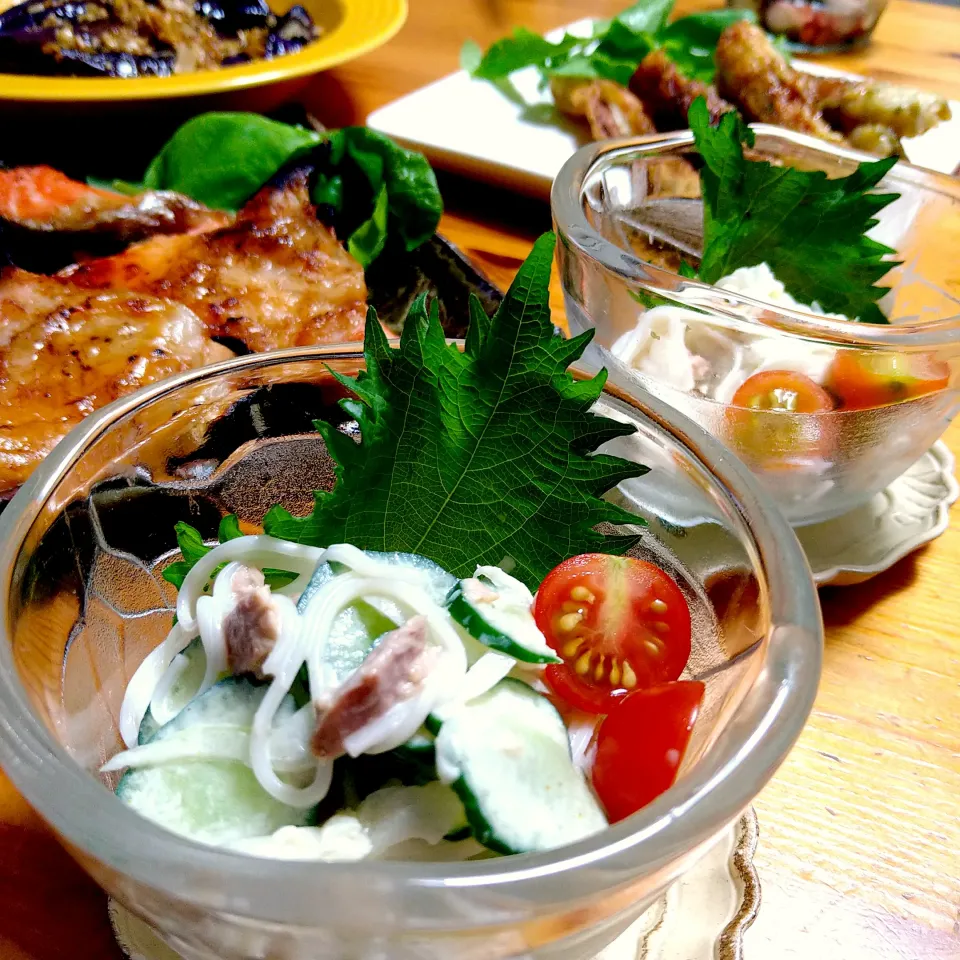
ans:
x=811 y=230
x=470 y=457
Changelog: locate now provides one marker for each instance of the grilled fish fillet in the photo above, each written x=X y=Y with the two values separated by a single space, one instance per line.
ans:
x=46 y=200
x=65 y=351
x=275 y=278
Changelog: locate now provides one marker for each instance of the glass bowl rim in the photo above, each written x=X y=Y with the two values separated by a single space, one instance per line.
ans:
x=92 y=819
x=574 y=230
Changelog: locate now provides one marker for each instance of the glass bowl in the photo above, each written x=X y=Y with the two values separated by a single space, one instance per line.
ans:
x=81 y=547
x=817 y=26
x=626 y=213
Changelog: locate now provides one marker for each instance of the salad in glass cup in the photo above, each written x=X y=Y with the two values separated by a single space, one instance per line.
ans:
x=379 y=689
x=761 y=298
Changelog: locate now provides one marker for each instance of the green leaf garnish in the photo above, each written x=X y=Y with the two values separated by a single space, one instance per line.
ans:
x=475 y=456
x=614 y=48
x=194 y=549
x=376 y=189
x=523 y=48
x=809 y=229
x=691 y=42
x=222 y=159
x=229 y=529
x=413 y=202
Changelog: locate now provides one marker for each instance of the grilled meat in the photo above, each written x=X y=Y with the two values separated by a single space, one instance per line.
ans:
x=275 y=278
x=65 y=351
x=609 y=109
x=756 y=77
x=666 y=94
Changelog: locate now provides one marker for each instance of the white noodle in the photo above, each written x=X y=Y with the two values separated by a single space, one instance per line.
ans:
x=163 y=706
x=140 y=689
x=403 y=719
x=213 y=741
x=283 y=664
x=257 y=551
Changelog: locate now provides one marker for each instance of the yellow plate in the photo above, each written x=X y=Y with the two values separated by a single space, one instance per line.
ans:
x=350 y=28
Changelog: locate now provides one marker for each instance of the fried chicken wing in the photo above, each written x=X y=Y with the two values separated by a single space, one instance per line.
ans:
x=754 y=76
x=65 y=351
x=275 y=278
x=666 y=94
x=906 y=112
x=46 y=200
x=875 y=138
x=610 y=110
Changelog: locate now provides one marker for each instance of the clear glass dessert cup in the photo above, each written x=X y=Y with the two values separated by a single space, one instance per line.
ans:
x=81 y=548
x=627 y=212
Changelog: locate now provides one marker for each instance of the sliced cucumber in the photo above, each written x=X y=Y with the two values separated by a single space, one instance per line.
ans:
x=355 y=628
x=507 y=756
x=438 y=582
x=211 y=801
x=496 y=609
x=361 y=623
x=190 y=663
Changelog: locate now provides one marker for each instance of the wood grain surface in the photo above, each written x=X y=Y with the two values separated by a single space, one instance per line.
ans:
x=860 y=830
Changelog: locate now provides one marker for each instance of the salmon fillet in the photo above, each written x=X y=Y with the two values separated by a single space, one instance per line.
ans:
x=48 y=201
x=275 y=278
x=65 y=351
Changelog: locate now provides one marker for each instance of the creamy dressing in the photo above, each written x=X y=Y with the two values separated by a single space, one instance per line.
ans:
x=276 y=740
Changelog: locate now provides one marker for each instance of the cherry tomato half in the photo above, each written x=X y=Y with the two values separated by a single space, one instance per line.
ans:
x=766 y=438
x=863 y=380
x=784 y=390
x=641 y=744
x=619 y=624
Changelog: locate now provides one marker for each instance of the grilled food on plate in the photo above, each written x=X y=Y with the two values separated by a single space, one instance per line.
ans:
x=185 y=284
x=637 y=73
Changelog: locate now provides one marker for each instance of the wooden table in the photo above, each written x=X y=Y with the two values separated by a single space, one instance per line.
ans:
x=860 y=829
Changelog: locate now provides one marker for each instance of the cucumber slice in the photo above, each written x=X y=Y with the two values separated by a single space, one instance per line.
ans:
x=355 y=629
x=360 y=624
x=507 y=756
x=211 y=801
x=191 y=663
x=496 y=609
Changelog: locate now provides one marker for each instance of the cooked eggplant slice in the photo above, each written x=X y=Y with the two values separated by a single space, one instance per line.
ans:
x=230 y=18
x=294 y=30
x=123 y=65
x=140 y=38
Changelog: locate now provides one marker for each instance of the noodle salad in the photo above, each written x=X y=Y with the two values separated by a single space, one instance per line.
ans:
x=459 y=677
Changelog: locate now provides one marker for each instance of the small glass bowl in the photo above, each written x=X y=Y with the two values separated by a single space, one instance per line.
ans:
x=817 y=26
x=628 y=211
x=81 y=546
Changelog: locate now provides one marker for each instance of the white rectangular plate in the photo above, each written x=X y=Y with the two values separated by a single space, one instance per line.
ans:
x=470 y=127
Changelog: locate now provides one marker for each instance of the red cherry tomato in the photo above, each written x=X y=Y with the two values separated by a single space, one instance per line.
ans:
x=783 y=390
x=619 y=624
x=766 y=438
x=641 y=744
x=864 y=380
